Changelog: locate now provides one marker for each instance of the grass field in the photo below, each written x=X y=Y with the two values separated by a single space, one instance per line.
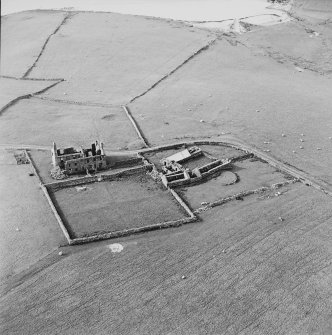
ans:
x=238 y=90
x=66 y=124
x=16 y=31
x=108 y=61
x=302 y=46
x=127 y=202
x=246 y=273
x=23 y=207
x=10 y=89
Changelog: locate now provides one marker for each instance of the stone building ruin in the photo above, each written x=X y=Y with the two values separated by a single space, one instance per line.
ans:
x=74 y=161
x=175 y=174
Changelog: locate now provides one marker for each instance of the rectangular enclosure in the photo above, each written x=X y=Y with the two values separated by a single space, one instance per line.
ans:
x=108 y=206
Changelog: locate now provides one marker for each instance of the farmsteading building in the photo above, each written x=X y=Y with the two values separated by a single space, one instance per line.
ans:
x=74 y=161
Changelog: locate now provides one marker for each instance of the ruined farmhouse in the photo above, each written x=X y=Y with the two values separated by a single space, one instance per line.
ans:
x=74 y=161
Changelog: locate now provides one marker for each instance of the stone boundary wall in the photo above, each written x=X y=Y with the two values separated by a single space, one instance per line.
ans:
x=190 y=143
x=251 y=152
x=27 y=96
x=208 y=167
x=216 y=169
x=93 y=179
x=130 y=161
x=243 y=157
x=135 y=125
x=182 y=203
x=126 y=232
x=70 y=183
x=121 y=233
x=244 y=194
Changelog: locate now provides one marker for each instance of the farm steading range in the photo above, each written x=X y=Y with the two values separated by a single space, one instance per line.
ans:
x=152 y=188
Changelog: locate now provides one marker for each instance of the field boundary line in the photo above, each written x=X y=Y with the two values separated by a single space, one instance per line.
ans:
x=182 y=203
x=27 y=96
x=31 y=79
x=108 y=235
x=95 y=179
x=244 y=194
x=136 y=126
x=197 y=52
x=72 y=102
x=67 y=16
x=131 y=231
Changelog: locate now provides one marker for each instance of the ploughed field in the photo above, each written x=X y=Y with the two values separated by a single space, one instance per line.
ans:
x=246 y=272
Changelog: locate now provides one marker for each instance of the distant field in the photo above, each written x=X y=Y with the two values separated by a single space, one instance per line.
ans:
x=22 y=37
x=313 y=9
x=301 y=46
x=104 y=58
x=11 y=89
x=109 y=206
x=66 y=124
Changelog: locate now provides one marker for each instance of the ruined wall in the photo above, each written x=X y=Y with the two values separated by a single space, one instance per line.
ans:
x=97 y=162
x=93 y=179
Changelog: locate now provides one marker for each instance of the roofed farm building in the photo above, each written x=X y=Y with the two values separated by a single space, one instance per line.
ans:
x=74 y=161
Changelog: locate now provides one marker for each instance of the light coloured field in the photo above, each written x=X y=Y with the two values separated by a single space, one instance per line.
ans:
x=37 y=121
x=111 y=58
x=22 y=38
x=174 y=9
x=310 y=48
x=11 y=89
x=246 y=272
x=229 y=88
x=23 y=207
x=317 y=10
